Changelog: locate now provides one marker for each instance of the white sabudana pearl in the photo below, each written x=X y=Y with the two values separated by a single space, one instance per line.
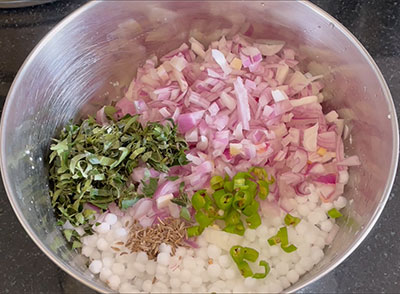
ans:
x=224 y=261
x=163 y=258
x=142 y=257
x=126 y=288
x=320 y=242
x=275 y=287
x=200 y=263
x=326 y=226
x=151 y=267
x=87 y=250
x=327 y=206
x=114 y=282
x=95 y=254
x=90 y=240
x=111 y=219
x=301 y=199
x=139 y=267
x=175 y=283
x=105 y=273
x=105 y=254
x=108 y=261
x=322 y=214
x=263 y=289
x=293 y=276
x=120 y=233
x=95 y=266
x=220 y=284
x=230 y=273
x=277 y=221
x=165 y=248
x=161 y=269
x=282 y=268
x=181 y=251
x=301 y=228
x=138 y=282
x=249 y=282
x=214 y=270
x=109 y=237
x=311 y=205
x=340 y=203
x=118 y=269
x=162 y=278
x=303 y=209
x=316 y=254
x=310 y=237
x=299 y=269
x=103 y=228
x=316 y=216
x=174 y=273
x=303 y=250
x=213 y=251
x=202 y=253
x=262 y=231
x=147 y=286
x=213 y=289
x=250 y=235
x=272 y=231
x=186 y=288
x=189 y=263
x=196 y=282
x=102 y=244
x=274 y=250
x=284 y=282
x=185 y=275
x=130 y=272
x=307 y=263
x=313 y=197
x=115 y=226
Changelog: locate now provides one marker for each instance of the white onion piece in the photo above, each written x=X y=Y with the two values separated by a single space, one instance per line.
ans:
x=164 y=201
x=279 y=95
x=304 y=100
x=220 y=59
x=310 y=138
x=203 y=143
x=243 y=103
x=228 y=101
x=282 y=73
x=269 y=47
x=178 y=62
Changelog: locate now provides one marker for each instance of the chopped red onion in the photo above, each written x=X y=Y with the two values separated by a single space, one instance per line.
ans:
x=239 y=104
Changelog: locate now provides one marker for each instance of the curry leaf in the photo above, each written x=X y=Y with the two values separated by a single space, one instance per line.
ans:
x=150 y=188
x=126 y=203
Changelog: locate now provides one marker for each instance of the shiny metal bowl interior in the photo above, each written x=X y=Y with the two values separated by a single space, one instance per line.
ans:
x=70 y=73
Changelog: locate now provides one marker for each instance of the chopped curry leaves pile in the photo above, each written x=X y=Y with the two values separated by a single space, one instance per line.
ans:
x=91 y=164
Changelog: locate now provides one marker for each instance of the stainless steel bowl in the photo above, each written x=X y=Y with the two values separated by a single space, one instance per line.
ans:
x=69 y=73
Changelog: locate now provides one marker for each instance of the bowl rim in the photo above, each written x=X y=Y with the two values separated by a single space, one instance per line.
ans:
x=96 y=286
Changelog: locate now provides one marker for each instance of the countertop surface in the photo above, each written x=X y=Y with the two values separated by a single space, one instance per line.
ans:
x=373 y=267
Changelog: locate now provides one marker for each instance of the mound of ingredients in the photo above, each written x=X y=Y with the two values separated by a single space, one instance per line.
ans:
x=217 y=172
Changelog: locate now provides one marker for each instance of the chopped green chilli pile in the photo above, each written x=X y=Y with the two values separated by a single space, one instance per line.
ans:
x=218 y=171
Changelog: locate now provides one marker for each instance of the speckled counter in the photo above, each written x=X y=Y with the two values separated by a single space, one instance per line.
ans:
x=373 y=267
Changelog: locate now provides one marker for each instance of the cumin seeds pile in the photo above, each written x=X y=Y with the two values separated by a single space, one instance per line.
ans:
x=170 y=231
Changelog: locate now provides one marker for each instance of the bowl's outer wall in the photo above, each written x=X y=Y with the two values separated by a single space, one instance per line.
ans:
x=71 y=72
